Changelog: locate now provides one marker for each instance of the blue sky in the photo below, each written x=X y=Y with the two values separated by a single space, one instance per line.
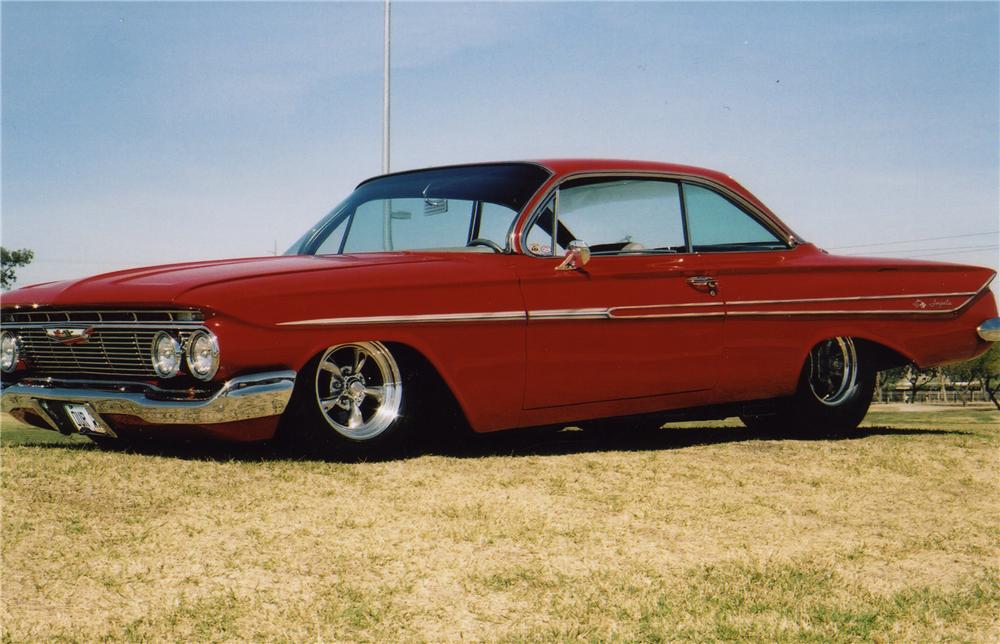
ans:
x=138 y=133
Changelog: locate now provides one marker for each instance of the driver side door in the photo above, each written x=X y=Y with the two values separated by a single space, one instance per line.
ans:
x=638 y=320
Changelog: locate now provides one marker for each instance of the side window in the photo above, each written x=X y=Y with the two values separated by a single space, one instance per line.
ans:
x=364 y=228
x=494 y=222
x=413 y=223
x=614 y=216
x=429 y=223
x=717 y=224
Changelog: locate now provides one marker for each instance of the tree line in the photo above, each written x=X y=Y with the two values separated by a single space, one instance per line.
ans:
x=964 y=377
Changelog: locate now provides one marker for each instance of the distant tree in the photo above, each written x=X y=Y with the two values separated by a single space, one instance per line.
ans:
x=989 y=372
x=885 y=381
x=962 y=377
x=917 y=379
x=10 y=261
x=986 y=369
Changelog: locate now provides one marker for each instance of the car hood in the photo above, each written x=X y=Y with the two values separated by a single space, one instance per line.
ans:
x=160 y=285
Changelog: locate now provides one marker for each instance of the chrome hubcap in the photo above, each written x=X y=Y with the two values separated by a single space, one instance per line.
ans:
x=358 y=389
x=833 y=371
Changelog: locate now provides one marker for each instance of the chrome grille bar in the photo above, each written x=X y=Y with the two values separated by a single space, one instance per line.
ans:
x=105 y=353
x=120 y=343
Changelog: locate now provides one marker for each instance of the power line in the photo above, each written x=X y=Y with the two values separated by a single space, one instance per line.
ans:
x=968 y=249
x=941 y=253
x=921 y=250
x=914 y=241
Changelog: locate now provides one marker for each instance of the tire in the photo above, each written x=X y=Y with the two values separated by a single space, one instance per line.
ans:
x=834 y=392
x=350 y=402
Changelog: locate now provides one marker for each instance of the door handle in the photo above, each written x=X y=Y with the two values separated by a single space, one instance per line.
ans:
x=705 y=282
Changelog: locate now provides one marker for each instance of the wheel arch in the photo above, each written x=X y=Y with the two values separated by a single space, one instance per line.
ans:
x=412 y=358
x=883 y=356
x=885 y=353
x=416 y=361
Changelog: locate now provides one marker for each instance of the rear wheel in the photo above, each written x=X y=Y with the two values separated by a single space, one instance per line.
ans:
x=351 y=402
x=833 y=394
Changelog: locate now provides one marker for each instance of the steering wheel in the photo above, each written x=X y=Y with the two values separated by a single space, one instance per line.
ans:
x=489 y=243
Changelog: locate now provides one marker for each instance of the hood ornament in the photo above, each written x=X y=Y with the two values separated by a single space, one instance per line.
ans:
x=70 y=336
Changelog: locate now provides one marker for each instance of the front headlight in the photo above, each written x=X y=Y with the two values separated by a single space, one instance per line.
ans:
x=166 y=355
x=203 y=354
x=10 y=349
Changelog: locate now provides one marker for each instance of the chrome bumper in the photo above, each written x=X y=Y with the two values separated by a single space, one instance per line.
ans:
x=990 y=330
x=243 y=398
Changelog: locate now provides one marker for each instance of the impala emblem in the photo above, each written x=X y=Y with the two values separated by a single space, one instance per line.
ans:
x=920 y=304
x=70 y=336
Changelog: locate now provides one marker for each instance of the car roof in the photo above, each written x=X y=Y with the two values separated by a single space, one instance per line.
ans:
x=561 y=167
x=571 y=166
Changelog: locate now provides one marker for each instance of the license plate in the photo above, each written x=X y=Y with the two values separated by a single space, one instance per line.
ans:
x=83 y=419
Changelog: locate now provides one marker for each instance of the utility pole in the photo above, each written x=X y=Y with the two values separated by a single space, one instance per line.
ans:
x=385 y=92
x=386 y=204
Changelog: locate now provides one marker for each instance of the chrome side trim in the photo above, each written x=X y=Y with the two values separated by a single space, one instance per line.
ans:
x=242 y=398
x=651 y=316
x=490 y=316
x=638 y=307
x=840 y=312
x=968 y=295
x=619 y=312
x=570 y=314
x=851 y=299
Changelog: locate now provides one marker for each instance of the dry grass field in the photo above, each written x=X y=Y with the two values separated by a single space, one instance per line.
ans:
x=700 y=532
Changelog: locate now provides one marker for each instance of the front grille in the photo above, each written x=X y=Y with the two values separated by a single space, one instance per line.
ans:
x=121 y=352
x=119 y=345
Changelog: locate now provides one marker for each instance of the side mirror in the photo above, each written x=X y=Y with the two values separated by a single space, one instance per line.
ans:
x=577 y=256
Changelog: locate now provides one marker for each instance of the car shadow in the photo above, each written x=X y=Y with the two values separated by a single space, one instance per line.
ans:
x=598 y=439
x=517 y=443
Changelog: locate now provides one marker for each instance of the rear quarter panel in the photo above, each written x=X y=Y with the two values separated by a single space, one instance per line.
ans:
x=780 y=306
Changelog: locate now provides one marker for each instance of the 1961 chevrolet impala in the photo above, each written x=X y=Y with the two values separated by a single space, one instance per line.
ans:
x=531 y=293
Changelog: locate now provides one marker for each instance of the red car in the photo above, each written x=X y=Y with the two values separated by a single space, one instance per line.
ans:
x=529 y=293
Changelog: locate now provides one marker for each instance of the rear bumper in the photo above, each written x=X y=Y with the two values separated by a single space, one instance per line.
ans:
x=990 y=330
x=240 y=400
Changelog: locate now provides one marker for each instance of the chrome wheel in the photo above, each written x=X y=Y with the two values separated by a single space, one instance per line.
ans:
x=833 y=371
x=358 y=389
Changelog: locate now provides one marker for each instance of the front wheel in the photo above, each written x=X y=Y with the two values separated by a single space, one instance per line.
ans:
x=834 y=392
x=351 y=402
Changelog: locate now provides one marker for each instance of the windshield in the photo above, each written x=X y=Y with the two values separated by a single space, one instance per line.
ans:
x=465 y=208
